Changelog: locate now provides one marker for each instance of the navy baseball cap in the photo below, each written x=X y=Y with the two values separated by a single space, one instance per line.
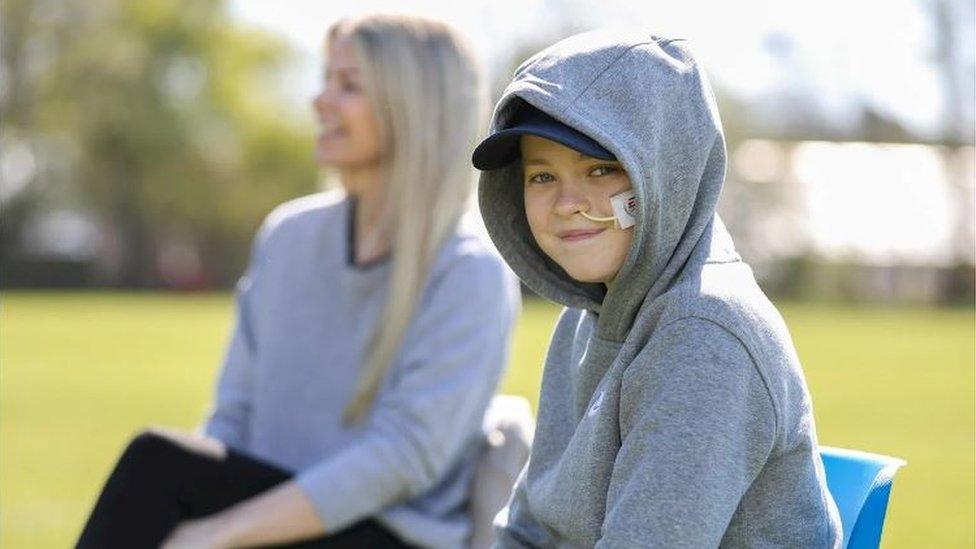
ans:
x=502 y=147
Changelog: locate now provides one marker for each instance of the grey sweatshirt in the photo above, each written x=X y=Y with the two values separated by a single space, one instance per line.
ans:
x=304 y=316
x=673 y=411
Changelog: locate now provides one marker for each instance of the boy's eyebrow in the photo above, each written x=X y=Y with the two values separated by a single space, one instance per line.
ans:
x=580 y=157
x=584 y=157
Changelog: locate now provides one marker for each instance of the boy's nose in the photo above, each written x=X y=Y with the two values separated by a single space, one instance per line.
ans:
x=571 y=200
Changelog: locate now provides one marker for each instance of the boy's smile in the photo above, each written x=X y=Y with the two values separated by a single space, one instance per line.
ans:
x=559 y=183
x=579 y=234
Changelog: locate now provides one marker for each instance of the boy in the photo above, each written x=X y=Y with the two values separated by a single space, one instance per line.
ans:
x=673 y=412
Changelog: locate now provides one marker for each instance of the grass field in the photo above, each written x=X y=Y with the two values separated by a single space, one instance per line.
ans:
x=79 y=373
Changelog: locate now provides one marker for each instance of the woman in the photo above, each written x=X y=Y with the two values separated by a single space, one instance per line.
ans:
x=674 y=411
x=371 y=333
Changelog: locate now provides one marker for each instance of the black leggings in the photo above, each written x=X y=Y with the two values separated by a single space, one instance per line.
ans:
x=157 y=483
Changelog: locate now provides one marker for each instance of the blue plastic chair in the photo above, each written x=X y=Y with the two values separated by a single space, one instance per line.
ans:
x=860 y=484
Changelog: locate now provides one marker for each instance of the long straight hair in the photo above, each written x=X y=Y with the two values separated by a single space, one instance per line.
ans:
x=428 y=97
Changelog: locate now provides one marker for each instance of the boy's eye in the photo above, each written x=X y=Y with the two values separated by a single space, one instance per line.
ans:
x=542 y=177
x=603 y=170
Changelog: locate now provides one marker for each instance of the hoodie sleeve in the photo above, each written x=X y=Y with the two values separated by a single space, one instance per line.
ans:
x=448 y=369
x=692 y=443
x=515 y=527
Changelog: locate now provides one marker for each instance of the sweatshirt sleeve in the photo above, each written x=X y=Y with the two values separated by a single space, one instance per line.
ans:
x=693 y=438
x=229 y=415
x=447 y=370
x=228 y=418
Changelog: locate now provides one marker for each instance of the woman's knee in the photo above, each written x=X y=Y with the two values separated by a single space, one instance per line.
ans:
x=169 y=441
x=148 y=447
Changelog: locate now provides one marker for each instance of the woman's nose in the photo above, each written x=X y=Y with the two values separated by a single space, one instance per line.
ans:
x=323 y=100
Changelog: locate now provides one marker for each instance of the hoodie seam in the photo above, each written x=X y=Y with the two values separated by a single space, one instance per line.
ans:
x=752 y=358
x=569 y=104
x=668 y=41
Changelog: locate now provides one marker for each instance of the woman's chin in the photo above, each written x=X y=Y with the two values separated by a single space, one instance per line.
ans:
x=343 y=159
x=332 y=159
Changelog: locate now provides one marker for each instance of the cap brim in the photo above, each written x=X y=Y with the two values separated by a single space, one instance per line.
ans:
x=502 y=148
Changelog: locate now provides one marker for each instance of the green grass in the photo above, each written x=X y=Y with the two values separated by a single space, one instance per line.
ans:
x=80 y=373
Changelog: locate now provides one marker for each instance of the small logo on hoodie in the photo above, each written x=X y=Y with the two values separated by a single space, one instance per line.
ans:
x=595 y=407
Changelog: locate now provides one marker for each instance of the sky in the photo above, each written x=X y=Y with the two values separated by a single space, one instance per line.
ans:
x=832 y=53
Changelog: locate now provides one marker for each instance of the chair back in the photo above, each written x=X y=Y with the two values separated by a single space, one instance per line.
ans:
x=860 y=484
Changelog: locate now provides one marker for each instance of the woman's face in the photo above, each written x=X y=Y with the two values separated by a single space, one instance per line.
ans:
x=349 y=135
x=559 y=183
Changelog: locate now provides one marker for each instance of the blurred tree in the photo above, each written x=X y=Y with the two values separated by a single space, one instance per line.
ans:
x=169 y=117
x=954 y=21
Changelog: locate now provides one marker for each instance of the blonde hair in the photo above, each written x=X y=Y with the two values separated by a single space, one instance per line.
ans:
x=428 y=98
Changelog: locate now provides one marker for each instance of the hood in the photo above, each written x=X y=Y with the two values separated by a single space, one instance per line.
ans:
x=647 y=100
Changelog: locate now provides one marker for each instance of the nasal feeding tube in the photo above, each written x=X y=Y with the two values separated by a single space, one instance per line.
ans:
x=624 y=208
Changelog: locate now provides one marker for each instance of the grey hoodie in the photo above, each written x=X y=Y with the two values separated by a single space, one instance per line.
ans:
x=674 y=412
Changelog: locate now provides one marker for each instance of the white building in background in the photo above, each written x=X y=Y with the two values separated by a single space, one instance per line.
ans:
x=883 y=204
x=883 y=220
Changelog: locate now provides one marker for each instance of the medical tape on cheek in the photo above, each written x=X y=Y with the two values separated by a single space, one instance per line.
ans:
x=624 y=208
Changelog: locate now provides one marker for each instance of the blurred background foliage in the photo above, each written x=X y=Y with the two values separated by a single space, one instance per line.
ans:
x=143 y=142
x=153 y=125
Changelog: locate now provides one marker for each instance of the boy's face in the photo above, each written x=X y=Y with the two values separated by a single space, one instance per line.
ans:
x=559 y=183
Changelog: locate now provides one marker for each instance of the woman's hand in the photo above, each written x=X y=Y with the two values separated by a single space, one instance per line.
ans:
x=205 y=533
x=281 y=514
